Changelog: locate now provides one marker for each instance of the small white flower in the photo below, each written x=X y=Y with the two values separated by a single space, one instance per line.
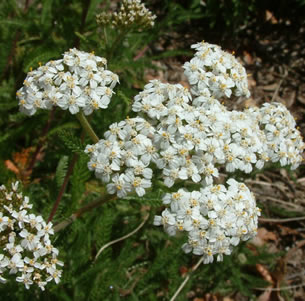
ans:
x=120 y=186
x=26 y=279
x=138 y=184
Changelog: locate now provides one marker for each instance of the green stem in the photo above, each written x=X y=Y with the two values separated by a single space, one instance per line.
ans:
x=86 y=5
x=116 y=43
x=105 y=36
x=87 y=127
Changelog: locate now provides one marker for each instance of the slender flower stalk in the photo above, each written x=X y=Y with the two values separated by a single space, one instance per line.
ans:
x=87 y=127
x=187 y=278
x=115 y=45
x=121 y=238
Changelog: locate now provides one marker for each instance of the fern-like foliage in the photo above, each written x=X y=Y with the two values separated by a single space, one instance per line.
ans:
x=61 y=171
x=80 y=176
x=72 y=141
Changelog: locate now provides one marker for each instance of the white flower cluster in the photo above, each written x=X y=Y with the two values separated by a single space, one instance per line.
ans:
x=283 y=140
x=25 y=246
x=131 y=13
x=190 y=142
x=189 y=135
x=79 y=81
x=127 y=149
x=215 y=218
x=214 y=72
x=194 y=138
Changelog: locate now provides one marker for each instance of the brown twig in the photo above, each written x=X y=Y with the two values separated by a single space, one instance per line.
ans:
x=62 y=225
x=270 y=198
x=278 y=86
x=63 y=186
x=279 y=288
x=194 y=268
x=141 y=53
x=275 y=185
x=281 y=178
x=283 y=220
x=66 y=180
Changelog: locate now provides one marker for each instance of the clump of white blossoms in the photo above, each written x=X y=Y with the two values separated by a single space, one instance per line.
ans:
x=215 y=218
x=25 y=246
x=214 y=72
x=132 y=13
x=188 y=136
x=284 y=141
x=124 y=156
x=79 y=81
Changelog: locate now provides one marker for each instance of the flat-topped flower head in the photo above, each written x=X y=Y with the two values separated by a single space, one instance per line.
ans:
x=122 y=159
x=190 y=136
x=25 y=249
x=214 y=72
x=283 y=140
x=78 y=82
x=215 y=218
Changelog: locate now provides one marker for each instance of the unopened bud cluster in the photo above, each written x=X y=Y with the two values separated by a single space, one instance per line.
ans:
x=25 y=246
x=189 y=135
x=79 y=81
x=132 y=13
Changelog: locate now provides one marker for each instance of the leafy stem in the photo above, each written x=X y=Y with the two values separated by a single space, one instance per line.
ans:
x=116 y=43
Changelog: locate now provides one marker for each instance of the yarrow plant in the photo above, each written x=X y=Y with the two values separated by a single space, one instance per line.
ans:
x=25 y=242
x=188 y=135
x=179 y=141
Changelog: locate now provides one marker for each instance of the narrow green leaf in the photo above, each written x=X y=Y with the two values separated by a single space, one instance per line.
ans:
x=61 y=170
x=82 y=37
x=15 y=23
x=46 y=14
